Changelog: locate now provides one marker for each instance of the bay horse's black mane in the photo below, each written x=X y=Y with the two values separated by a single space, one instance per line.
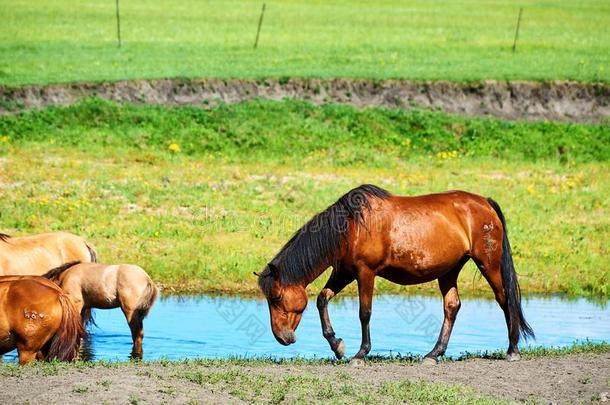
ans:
x=4 y=237
x=319 y=240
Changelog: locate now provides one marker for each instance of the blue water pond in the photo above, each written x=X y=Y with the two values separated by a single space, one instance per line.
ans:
x=217 y=327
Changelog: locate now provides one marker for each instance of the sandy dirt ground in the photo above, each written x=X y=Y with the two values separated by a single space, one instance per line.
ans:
x=580 y=378
x=518 y=100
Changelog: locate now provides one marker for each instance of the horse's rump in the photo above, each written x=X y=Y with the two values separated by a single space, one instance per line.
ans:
x=38 y=312
x=36 y=254
x=148 y=298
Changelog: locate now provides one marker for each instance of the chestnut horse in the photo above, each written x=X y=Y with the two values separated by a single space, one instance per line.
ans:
x=36 y=254
x=38 y=319
x=369 y=232
x=94 y=285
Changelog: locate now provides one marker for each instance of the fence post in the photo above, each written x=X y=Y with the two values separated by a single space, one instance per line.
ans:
x=516 y=31
x=260 y=23
x=118 y=24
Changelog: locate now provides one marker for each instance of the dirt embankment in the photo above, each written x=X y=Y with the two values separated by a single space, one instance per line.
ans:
x=567 y=379
x=555 y=101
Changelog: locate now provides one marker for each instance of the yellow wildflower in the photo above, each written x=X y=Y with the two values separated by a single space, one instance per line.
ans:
x=446 y=155
x=174 y=147
x=531 y=189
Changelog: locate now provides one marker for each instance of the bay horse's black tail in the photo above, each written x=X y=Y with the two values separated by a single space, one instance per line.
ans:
x=516 y=319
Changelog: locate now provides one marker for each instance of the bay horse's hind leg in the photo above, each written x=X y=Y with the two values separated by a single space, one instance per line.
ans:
x=492 y=253
x=493 y=274
x=337 y=282
x=451 y=306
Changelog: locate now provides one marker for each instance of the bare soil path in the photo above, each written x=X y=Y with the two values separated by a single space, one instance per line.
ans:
x=582 y=378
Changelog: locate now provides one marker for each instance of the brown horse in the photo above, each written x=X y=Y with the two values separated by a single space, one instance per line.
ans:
x=36 y=254
x=38 y=319
x=92 y=285
x=407 y=240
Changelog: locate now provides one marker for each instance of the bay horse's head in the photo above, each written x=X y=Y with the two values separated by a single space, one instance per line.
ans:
x=286 y=304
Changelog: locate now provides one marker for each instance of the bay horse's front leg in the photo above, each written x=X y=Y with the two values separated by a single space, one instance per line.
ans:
x=366 y=285
x=451 y=306
x=337 y=282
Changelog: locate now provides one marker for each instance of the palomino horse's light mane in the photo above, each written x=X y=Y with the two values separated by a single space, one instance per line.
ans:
x=319 y=240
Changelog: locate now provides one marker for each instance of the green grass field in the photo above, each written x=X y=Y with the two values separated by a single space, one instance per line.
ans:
x=62 y=41
x=202 y=198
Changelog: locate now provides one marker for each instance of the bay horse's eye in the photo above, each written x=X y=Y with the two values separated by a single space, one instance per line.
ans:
x=277 y=299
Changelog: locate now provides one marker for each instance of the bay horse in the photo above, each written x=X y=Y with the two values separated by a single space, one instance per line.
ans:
x=38 y=319
x=369 y=232
x=36 y=254
x=94 y=285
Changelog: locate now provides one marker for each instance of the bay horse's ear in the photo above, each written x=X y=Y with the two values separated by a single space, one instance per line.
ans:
x=256 y=274
x=274 y=270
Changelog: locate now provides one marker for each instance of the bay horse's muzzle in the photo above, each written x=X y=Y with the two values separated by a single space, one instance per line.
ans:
x=286 y=338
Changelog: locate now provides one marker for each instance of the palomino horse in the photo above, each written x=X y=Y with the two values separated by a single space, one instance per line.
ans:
x=93 y=285
x=407 y=240
x=38 y=319
x=36 y=254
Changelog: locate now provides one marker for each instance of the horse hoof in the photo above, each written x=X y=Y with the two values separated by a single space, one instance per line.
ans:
x=340 y=350
x=356 y=362
x=429 y=361
x=136 y=356
x=513 y=357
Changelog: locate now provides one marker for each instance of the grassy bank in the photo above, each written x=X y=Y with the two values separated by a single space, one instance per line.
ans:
x=313 y=381
x=298 y=133
x=201 y=198
x=53 y=41
x=527 y=353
